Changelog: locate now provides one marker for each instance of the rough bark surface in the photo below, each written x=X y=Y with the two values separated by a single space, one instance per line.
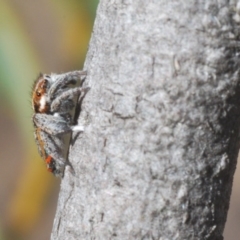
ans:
x=157 y=157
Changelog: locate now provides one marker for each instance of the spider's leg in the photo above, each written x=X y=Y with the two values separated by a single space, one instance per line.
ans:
x=65 y=98
x=54 y=124
x=62 y=80
x=51 y=124
x=79 y=103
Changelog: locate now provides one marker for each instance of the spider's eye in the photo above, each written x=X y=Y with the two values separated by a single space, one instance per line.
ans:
x=38 y=94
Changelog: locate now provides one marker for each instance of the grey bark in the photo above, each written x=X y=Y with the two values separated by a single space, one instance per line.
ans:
x=157 y=158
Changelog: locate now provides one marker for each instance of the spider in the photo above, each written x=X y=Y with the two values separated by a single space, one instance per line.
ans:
x=52 y=102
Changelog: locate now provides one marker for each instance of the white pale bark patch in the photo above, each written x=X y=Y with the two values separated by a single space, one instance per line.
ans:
x=159 y=149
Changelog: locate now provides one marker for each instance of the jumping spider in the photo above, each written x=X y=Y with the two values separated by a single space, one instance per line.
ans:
x=52 y=102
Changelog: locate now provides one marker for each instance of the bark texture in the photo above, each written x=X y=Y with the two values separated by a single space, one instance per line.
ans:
x=157 y=158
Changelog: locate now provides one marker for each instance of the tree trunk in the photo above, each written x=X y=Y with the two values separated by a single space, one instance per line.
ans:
x=157 y=158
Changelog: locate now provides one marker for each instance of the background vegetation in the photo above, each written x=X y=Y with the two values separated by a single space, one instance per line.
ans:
x=48 y=36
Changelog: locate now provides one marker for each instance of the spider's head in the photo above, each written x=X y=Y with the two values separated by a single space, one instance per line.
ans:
x=39 y=95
